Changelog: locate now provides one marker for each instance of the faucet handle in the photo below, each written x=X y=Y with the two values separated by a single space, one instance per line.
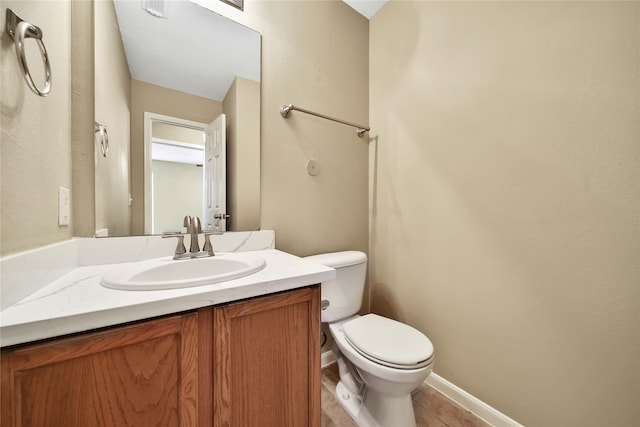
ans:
x=172 y=233
x=180 y=249
x=212 y=232
x=208 y=247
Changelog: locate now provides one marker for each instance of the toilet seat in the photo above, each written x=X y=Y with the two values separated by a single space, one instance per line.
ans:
x=388 y=342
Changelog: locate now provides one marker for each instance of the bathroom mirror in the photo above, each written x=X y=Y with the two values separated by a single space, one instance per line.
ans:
x=178 y=59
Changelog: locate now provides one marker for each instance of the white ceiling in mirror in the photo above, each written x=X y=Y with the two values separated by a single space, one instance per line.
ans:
x=367 y=8
x=192 y=50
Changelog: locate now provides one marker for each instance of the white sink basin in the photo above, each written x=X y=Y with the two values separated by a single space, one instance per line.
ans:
x=167 y=273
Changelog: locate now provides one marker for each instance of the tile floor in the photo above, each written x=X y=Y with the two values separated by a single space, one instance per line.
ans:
x=432 y=408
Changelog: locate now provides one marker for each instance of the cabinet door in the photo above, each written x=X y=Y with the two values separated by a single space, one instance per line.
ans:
x=138 y=375
x=267 y=361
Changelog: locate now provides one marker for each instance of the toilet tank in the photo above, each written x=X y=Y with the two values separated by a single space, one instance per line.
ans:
x=344 y=293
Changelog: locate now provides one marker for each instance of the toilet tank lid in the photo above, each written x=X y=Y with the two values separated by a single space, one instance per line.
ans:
x=339 y=259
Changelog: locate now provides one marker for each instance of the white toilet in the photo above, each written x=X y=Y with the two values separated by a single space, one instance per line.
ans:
x=381 y=361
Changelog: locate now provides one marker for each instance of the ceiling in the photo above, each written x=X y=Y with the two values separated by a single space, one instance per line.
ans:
x=207 y=50
x=367 y=8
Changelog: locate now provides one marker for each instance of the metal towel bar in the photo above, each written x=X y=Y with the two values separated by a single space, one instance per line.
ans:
x=285 y=111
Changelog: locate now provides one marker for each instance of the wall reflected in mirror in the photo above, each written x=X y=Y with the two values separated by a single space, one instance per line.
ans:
x=193 y=65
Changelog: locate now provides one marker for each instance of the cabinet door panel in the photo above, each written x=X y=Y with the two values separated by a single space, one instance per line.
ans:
x=267 y=361
x=139 y=375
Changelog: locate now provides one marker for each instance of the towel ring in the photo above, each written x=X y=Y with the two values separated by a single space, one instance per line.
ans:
x=101 y=130
x=18 y=30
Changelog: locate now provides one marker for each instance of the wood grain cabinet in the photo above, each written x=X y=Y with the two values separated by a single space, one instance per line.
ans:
x=138 y=375
x=266 y=356
x=250 y=363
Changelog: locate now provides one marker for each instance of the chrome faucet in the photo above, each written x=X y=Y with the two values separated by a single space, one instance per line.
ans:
x=194 y=228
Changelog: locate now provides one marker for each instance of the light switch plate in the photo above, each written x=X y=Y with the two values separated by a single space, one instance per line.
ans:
x=63 y=206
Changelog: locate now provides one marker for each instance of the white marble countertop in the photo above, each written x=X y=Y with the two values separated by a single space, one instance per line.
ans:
x=77 y=302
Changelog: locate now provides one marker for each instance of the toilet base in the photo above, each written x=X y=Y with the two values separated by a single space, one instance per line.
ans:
x=349 y=402
x=372 y=409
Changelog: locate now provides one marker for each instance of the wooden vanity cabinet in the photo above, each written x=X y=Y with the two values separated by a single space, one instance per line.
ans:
x=250 y=363
x=137 y=375
x=266 y=354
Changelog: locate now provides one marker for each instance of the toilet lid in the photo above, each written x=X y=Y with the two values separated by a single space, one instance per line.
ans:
x=387 y=341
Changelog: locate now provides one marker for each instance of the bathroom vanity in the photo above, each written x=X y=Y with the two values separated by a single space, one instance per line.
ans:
x=254 y=362
x=246 y=353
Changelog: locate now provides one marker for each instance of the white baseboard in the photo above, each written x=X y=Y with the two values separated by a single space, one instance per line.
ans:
x=326 y=359
x=471 y=403
x=465 y=400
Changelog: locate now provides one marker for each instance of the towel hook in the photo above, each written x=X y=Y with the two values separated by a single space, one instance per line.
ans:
x=19 y=29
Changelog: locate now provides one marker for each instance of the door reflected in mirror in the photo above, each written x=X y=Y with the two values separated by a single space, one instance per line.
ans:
x=177 y=157
x=186 y=173
x=192 y=65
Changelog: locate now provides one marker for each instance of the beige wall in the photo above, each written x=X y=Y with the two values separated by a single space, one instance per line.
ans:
x=505 y=199
x=35 y=145
x=146 y=97
x=242 y=108
x=171 y=132
x=315 y=55
x=112 y=109
x=328 y=74
x=82 y=116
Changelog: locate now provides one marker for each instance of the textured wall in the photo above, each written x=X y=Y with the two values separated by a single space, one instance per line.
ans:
x=82 y=117
x=315 y=55
x=35 y=145
x=112 y=109
x=242 y=107
x=506 y=181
